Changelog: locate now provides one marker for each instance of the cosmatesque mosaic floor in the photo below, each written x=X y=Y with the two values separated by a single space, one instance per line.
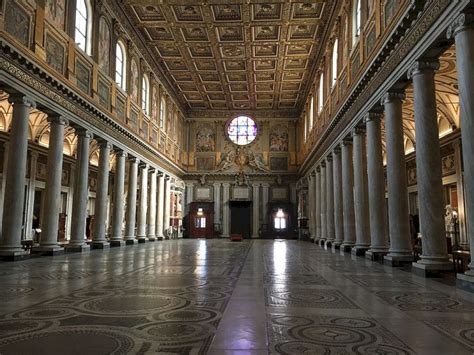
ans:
x=220 y=297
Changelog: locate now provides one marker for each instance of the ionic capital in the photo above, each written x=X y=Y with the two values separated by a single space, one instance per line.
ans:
x=329 y=158
x=133 y=159
x=336 y=150
x=103 y=144
x=54 y=118
x=461 y=23
x=393 y=95
x=373 y=116
x=421 y=66
x=119 y=152
x=358 y=130
x=20 y=99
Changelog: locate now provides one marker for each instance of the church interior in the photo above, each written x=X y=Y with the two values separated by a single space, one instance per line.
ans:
x=236 y=177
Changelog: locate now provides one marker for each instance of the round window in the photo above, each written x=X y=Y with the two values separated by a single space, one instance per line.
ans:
x=242 y=130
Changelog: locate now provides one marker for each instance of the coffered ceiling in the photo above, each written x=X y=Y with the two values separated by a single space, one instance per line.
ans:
x=234 y=55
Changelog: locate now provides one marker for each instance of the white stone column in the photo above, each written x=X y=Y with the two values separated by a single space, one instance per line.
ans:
x=225 y=210
x=255 y=209
x=152 y=207
x=217 y=203
x=361 y=198
x=167 y=207
x=142 y=204
x=376 y=181
x=160 y=207
x=116 y=240
x=324 y=231
x=331 y=231
x=4 y=173
x=463 y=32
x=10 y=243
x=31 y=194
x=98 y=239
x=131 y=212
x=317 y=209
x=311 y=205
x=348 y=196
x=265 y=190
x=49 y=233
x=434 y=256
x=399 y=225
x=338 y=209
x=77 y=243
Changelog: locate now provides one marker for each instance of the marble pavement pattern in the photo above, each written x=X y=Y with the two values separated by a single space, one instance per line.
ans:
x=218 y=297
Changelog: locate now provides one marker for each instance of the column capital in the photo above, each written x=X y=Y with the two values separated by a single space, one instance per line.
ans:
x=373 y=116
x=266 y=185
x=159 y=173
x=82 y=132
x=21 y=99
x=358 y=130
x=318 y=169
x=336 y=150
x=57 y=119
x=142 y=165
x=329 y=157
x=346 y=141
x=461 y=23
x=152 y=170
x=120 y=153
x=167 y=177
x=226 y=184
x=392 y=95
x=216 y=184
x=428 y=64
x=103 y=144
x=323 y=164
x=133 y=159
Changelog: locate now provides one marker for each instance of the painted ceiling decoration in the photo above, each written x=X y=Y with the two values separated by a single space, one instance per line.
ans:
x=235 y=55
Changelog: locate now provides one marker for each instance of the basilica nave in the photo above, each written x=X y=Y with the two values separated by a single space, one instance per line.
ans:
x=250 y=177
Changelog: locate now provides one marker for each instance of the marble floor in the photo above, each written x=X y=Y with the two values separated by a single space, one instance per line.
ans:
x=219 y=297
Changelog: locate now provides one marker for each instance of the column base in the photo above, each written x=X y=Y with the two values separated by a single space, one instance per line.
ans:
x=431 y=268
x=359 y=250
x=375 y=255
x=100 y=245
x=14 y=254
x=117 y=243
x=48 y=250
x=130 y=241
x=466 y=281
x=336 y=246
x=346 y=248
x=328 y=243
x=141 y=240
x=396 y=260
x=159 y=238
x=321 y=242
x=77 y=248
x=151 y=238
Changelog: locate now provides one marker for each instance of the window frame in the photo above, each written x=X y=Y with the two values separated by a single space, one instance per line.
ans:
x=123 y=70
x=87 y=18
x=321 y=93
x=334 y=63
x=145 y=95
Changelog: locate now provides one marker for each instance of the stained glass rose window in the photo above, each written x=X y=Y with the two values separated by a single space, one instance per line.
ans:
x=242 y=130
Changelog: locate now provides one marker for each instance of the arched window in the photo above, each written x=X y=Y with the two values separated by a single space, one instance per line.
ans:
x=334 y=64
x=305 y=129
x=83 y=25
x=120 y=65
x=311 y=112
x=321 y=93
x=145 y=95
x=162 y=112
x=357 y=20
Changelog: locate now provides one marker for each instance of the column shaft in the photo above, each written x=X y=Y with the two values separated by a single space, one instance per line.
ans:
x=217 y=205
x=152 y=208
x=225 y=211
x=10 y=244
x=311 y=206
x=167 y=207
x=428 y=168
x=255 y=209
x=324 y=232
x=317 y=198
x=338 y=207
x=49 y=234
x=77 y=243
x=160 y=207
x=117 y=212
x=399 y=226
x=131 y=212
x=265 y=188
x=348 y=196
x=100 y=226
x=142 y=204
x=331 y=231
x=376 y=180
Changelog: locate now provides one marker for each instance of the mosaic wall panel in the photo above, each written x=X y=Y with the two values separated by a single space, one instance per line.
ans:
x=55 y=53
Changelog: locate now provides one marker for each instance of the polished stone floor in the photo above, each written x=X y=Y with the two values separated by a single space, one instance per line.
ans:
x=219 y=297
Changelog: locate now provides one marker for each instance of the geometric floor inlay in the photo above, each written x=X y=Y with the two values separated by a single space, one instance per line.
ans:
x=461 y=330
x=308 y=298
x=331 y=335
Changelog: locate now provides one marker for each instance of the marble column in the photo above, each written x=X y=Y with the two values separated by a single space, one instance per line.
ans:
x=331 y=230
x=167 y=207
x=160 y=207
x=361 y=198
x=10 y=243
x=225 y=210
x=311 y=206
x=4 y=172
x=131 y=212
x=265 y=190
x=376 y=181
x=52 y=201
x=399 y=225
x=324 y=232
x=77 y=243
x=117 y=240
x=255 y=210
x=31 y=195
x=142 y=204
x=217 y=205
x=100 y=218
x=152 y=207
x=434 y=256
x=463 y=32
x=317 y=209
x=348 y=196
x=338 y=209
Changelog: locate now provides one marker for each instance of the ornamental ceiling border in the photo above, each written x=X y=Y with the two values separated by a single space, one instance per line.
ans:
x=384 y=65
x=29 y=73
